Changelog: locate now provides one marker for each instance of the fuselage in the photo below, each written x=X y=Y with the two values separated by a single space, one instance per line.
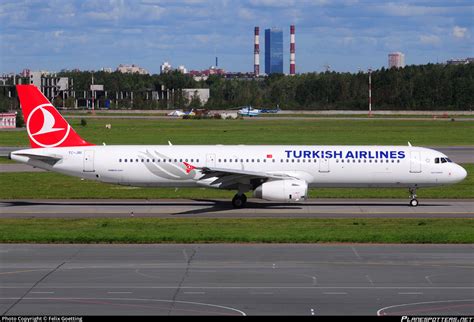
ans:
x=318 y=166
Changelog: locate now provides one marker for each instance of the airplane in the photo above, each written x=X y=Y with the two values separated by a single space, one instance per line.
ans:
x=248 y=111
x=181 y=113
x=281 y=173
x=275 y=110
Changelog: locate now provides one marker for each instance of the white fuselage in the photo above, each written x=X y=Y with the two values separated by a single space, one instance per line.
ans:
x=319 y=166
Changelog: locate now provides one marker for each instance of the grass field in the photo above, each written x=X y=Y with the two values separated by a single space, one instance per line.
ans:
x=274 y=131
x=47 y=185
x=244 y=230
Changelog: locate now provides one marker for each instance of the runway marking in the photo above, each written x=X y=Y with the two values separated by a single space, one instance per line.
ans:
x=119 y=292
x=380 y=312
x=25 y=271
x=197 y=293
x=370 y=280
x=262 y=293
x=42 y=292
x=356 y=253
x=130 y=299
x=410 y=293
x=335 y=293
x=137 y=271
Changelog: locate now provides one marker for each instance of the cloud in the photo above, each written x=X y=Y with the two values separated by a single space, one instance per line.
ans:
x=246 y=14
x=459 y=32
x=407 y=10
x=430 y=40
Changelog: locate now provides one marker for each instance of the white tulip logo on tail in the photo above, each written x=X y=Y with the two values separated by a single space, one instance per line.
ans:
x=44 y=128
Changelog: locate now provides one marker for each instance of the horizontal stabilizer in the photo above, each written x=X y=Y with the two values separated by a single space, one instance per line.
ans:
x=40 y=157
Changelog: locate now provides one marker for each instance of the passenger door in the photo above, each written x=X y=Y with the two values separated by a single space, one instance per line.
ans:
x=88 y=161
x=415 y=162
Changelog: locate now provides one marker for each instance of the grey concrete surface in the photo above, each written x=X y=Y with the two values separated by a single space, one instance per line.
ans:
x=254 y=279
x=182 y=208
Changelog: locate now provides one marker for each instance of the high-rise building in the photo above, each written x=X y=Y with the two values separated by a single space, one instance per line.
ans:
x=273 y=51
x=396 y=59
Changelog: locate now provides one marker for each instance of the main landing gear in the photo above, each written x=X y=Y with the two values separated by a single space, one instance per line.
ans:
x=239 y=200
x=413 y=200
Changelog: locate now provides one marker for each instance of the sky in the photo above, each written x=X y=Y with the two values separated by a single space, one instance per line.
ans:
x=347 y=35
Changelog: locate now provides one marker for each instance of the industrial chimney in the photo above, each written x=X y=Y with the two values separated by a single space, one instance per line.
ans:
x=256 y=52
x=292 y=50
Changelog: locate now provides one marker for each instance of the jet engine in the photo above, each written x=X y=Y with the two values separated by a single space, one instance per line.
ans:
x=282 y=190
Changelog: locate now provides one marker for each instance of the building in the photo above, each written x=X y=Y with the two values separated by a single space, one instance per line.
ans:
x=132 y=69
x=51 y=85
x=462 y=61
x=199 y=75
x=7 y=121
x=202 y=93
x=273 y=51
x=165 y=68
x=182 y=69
x=396 y=59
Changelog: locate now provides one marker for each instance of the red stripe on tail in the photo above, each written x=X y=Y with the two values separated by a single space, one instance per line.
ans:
x=45 y=125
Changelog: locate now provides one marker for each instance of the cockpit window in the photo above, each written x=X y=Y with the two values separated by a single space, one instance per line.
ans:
x=442 y=160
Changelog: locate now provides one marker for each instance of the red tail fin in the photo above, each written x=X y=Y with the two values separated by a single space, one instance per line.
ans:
x=45 y=125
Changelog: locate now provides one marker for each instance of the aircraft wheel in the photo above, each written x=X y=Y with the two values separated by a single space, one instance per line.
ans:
x=239 y=201
x=413 y=202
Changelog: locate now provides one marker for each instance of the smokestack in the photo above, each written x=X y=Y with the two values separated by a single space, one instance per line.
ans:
x=256 y=52
x=292 y=50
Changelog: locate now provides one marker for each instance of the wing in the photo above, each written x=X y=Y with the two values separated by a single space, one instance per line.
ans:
x=232 y=178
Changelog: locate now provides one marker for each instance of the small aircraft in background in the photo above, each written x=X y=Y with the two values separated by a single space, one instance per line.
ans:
x=248 y=111
x=275 y=110
x=181 y=113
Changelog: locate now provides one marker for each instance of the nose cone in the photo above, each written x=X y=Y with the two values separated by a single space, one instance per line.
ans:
x=460 y=173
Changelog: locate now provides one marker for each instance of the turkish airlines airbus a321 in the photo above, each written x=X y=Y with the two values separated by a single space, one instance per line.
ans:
x=272 y=172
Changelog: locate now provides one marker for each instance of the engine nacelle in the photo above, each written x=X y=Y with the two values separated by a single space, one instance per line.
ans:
x=282 y=190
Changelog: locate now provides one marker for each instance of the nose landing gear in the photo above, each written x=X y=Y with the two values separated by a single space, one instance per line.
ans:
x=413 y=200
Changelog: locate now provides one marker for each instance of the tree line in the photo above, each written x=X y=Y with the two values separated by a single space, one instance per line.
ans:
x=420 y=87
